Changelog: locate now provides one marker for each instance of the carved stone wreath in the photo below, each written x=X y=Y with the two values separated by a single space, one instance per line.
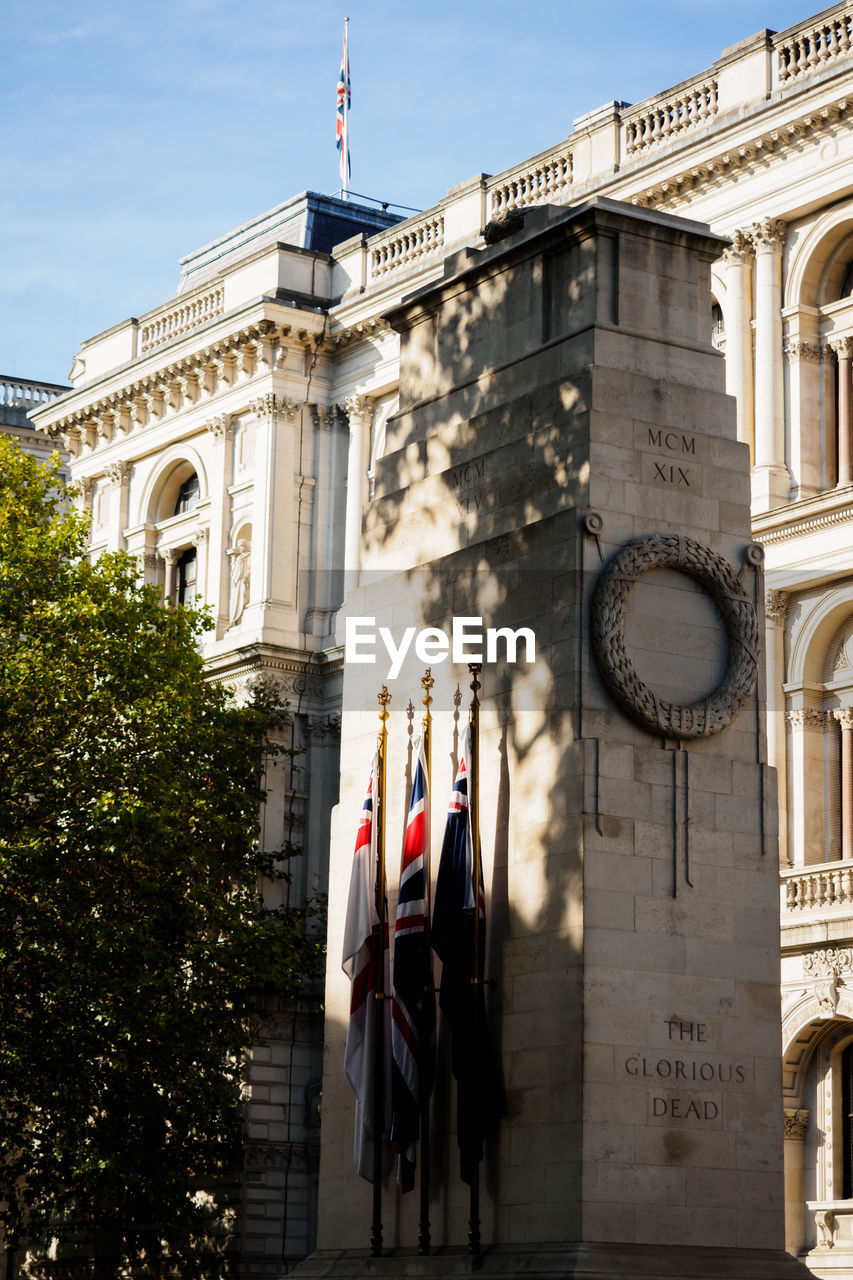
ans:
x=670 y=719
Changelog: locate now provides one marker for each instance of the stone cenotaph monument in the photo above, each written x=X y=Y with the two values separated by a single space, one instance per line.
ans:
x=565 y=460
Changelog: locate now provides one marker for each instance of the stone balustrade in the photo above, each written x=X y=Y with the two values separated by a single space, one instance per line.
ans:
x=179 y=318
x=813 y=47
x=666 y=120
x=22 y=393
x=818 y=887
x=405 y=245
x=546 y=179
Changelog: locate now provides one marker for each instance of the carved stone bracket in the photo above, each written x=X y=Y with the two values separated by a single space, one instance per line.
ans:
x=672 y=720
x=796 y=1123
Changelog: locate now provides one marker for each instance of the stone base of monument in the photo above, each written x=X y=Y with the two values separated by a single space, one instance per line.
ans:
x=547 y=1261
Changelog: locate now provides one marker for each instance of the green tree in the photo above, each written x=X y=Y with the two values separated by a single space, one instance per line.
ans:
x=133 y=935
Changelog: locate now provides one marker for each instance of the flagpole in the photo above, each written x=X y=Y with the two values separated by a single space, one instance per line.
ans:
x=427 y=683
x=476 y=977
x=379 y=993
x=346 y=182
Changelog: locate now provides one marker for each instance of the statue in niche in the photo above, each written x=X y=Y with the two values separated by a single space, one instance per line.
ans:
x=241 y=566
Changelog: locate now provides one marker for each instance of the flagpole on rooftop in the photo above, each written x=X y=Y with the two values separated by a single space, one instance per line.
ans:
x=476 y=976
x=427 y=683
x=379 y=993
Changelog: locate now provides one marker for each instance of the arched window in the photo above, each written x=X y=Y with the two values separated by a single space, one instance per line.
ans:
x=718 y=325
x=846 y=289
x=188 y=495
x=187 y=574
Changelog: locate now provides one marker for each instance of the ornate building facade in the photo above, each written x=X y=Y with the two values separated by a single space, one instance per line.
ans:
x=227 y=439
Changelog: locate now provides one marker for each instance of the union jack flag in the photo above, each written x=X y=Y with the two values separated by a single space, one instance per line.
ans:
x=344 y=102
x=361 y=933
x=413 y=1004
x=462 y=1000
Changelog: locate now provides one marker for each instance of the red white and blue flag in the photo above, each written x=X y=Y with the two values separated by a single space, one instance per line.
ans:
x=413 y=1004
x=461 y=996
x=344 y=100
x=361 y=934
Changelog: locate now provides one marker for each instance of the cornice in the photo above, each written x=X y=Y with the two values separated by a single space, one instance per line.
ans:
x=169 y=385
x=767 y=145
x=808 y=516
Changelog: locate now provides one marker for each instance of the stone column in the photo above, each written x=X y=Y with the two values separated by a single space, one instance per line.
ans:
x=796 y=1124
x=739 y=380
x=221 y=475
x=770 y=483
x=117 y=474
x=170 y=560
x=200 y=542
x=360 y=412
x=843 y=348
x=844 y=716
x=808 y=818
x=776 y=614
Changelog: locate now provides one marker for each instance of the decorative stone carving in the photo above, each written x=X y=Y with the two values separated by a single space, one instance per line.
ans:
x=844 y=716
x=806 y=718
x=825 y=967
x=776 y=607
x=358 y=405
x=320 y=727
x=711 y=571
x=200 y=537
x=326 y=417
x=740 y=250
x=117 y=471
x=843 y=347
x=263 y=406
x=828 y=960
x=807 y=352
x=288 y=408
x=824 y=1220
x=796 y=1124
x=219 y=426
x=768 y=235
x=241 y=577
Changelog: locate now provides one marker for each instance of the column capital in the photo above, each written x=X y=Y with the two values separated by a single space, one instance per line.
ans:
x=844 y=716
x=263 y=406
x=326 y=416
x=116 y=472
x=741 y=250
x=776 y=608
x=358 y=406
x=843 y=347
x=768 y=235
x=809 y=352
x=796 y=1123
x=806 y=718
x=201 y=536
x=220 y=426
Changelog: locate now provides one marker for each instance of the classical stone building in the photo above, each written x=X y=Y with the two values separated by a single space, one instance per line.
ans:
x=17 y=397
x=228 y=440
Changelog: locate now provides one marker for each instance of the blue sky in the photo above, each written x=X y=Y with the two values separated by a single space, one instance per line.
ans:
x=133 y=133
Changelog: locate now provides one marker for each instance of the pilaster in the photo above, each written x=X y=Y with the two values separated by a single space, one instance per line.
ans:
x=770 y=482
x=359 y=409
x=776 y=616
x=222 y=465
x=739 y=258
x=843 y=348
